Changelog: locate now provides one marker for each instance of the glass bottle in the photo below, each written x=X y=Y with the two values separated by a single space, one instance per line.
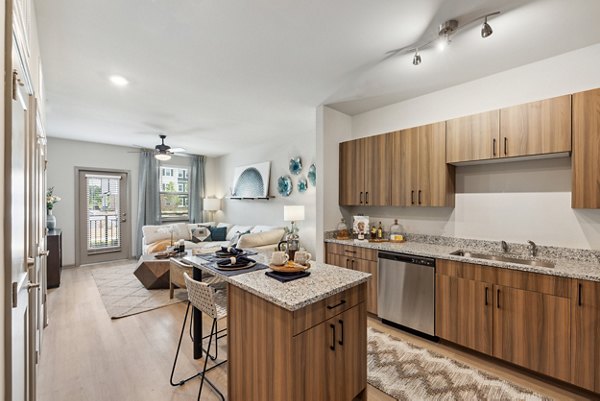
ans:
x=380 y=231
x=342 y=230
x=373 y=232
x=396 y=231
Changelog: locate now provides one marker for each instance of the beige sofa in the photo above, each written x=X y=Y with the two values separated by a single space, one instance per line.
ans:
x=257 y=237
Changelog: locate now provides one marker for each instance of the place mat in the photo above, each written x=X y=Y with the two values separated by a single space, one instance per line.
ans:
x=237 y=266
x=228 y=273
x=285 y=277
x=213 y=258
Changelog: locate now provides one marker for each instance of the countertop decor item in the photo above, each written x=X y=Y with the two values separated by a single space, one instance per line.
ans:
x=302 y=185
x=284 y=185
x=251 y=181
x=290 y=267
x=293 y=214
x=296 y=165
x=51 y=200
x=312 y=175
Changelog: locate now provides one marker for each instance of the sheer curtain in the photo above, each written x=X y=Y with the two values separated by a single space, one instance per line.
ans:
x=196 y=189
x=148 y=195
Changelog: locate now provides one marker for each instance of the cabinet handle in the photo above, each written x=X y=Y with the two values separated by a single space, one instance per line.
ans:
x=505 y=146
x=349 y=251
x=367 y=198
x=486 y=296
x=412 y=197
x=494 y=147
x=419 y=196
x=341 y=342
x=332 y=346
x=361 y=198
x=498 y=298
x=342 y=302
x=353 y=264
x=579 y=300
x=347 y=262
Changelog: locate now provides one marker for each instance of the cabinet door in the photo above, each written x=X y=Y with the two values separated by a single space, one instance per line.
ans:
x=464 y=312
x=405 y=149
x=377 y=170
x=369 y=266
x=352 y=173
x=351 y=352
x=586 y=150
x=473 y=137
x=585 y=335
x=434 y=179
x=536 y=128
x=532 y=330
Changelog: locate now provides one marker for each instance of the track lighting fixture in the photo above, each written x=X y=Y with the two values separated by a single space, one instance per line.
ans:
x=486 y=29
x=417 y=58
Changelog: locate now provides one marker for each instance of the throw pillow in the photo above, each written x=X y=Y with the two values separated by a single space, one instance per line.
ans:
x=199 y=234
x=181 y=231
x=158 y=246
x=218 y=233
x=236 y=237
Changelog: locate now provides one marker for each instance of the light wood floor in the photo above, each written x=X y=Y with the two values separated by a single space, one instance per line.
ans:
x=87 y=356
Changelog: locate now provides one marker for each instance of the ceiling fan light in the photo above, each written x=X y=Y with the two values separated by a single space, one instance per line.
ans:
x=417 y=58
x=162 y=156
x=486 y=29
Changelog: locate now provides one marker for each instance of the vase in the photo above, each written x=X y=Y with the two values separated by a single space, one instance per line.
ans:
x=50 y=220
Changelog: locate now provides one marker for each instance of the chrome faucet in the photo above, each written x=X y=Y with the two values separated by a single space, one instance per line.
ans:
x=532 y=247
x=504 y=246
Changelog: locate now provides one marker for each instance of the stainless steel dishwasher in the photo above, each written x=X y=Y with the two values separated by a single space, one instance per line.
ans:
x=406 y=291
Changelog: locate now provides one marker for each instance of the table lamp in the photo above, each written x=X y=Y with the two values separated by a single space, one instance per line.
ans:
x=293 y=214
x=211 y=205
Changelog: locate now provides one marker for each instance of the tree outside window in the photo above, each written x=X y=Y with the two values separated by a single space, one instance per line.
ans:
x=174 y=193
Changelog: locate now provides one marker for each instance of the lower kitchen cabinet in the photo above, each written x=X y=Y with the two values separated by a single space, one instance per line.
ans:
x=585 y=334
x=532 y=330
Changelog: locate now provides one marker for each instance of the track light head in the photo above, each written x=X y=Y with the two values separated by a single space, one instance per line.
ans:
x=417 y=58
x=486 y=29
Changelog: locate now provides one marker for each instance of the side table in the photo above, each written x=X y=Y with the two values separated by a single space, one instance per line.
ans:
x=54 y=258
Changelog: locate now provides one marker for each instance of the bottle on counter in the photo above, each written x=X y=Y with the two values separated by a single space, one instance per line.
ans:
x=373 y=232
x=342 y=230
x=380 y=231
x=396 y=232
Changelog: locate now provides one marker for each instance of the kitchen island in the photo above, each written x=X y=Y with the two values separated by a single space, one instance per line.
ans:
x=301 y=340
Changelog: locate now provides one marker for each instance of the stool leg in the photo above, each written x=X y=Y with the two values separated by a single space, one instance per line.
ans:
x=213 y=331
x=187 y=310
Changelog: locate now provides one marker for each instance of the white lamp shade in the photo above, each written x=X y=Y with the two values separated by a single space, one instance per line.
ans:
x=211 y=204
x=293 y=213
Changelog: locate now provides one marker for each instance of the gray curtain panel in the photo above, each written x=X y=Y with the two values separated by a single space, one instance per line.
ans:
x=196 y=189
x=148 y=196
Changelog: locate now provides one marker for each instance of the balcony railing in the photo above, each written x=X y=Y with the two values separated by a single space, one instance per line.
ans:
x=104 y=231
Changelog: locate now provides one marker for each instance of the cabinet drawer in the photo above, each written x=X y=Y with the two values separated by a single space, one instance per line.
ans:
x=318 y=312
x=352 y=251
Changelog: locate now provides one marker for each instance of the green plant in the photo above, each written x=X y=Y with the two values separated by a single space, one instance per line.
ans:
x=51 y=199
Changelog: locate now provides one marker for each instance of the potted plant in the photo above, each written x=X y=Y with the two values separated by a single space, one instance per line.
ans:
x=51 y=199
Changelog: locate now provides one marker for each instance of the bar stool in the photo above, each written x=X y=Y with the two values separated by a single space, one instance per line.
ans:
x=208 y=300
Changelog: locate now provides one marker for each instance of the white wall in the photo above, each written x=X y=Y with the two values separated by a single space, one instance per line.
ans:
x=270 y=212
x=510 y=201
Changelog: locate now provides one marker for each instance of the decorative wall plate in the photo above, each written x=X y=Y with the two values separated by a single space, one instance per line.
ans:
x=284 y=185
x=302 y=184
x=295 y=165
x=312 y=175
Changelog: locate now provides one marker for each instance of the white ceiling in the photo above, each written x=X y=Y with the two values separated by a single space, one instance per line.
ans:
x=219 y=75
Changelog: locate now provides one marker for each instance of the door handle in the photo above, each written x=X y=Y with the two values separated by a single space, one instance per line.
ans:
x=353 y=264
x=486 y=296
x=361 y=198
x=44 y=253
x=494 y=147
x=342 y=302
x=341 y=342
x=505 y=146
x=498 y=298
x=347 y=263
x=30 y=261
x=31 y=285
x=412 y=197
x=332 y=346
x=579 y=295
x=419 y=196
x=367 y=198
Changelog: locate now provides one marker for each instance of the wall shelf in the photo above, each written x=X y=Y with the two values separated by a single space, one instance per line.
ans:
x=244 y=198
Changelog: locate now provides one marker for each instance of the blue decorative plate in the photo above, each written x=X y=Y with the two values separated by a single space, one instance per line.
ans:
x=284 y=185
x=295 y=165
x=312 y=175
x=302 y=184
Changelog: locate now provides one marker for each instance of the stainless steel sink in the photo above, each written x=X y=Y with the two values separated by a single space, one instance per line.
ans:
x=501 y=258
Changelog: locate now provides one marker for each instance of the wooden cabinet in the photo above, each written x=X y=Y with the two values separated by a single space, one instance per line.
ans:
x=420 y=175
x=473 y=137
x=586 y=150
x=520 y=317
x=54 y=259
x=356 y=258
x=536 y=128
x=585 y=334
x=315 y=353
x=364 y=176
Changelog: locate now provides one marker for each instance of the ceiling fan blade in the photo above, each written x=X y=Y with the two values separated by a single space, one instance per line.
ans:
x=177 y=150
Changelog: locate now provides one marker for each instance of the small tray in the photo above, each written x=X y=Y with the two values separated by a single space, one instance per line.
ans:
x=343 y=238
x=290 y=267
x=232 y=268
x=165 y=255
x=397 y=242
x=379 y=240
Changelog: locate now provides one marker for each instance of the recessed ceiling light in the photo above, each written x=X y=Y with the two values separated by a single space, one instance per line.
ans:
x=118 y=80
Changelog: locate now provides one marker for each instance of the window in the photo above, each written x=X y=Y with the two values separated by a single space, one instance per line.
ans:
x=174 y=193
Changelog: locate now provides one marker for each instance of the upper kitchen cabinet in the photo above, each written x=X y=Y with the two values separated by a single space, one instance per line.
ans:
x=536 y=128
x=585 y=193
x=364 y=171
x=473 y=137
x=420 y=175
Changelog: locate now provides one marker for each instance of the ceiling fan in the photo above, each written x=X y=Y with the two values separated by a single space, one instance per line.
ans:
x=164 y=152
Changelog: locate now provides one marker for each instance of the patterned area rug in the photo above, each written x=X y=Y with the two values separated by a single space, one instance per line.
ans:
x=407 y=372
x=123 y=294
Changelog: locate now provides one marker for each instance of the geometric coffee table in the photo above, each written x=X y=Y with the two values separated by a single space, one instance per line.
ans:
x=153 y=273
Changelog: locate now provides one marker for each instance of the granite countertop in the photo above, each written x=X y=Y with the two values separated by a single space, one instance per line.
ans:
x=584 y=268
x=324 y=281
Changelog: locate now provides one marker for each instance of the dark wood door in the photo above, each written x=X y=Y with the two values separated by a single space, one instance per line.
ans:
x=532 y=330
x=377 y=170
x=352 y=173
x=350 y=352
x=585 y=192
x=585 y=332
x=464 y=312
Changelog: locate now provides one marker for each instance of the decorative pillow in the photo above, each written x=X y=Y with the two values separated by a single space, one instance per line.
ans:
x=181 y=231
x=233 y=230
x=199 y=234
x=156 y=233
x=262 y=229
x=261 y=239
x=226 y=225
x=218 y=233
x=236 y=237
x=159 y=246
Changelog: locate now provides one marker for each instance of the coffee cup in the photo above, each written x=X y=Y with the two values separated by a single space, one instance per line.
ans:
x=302 y=257
x=279 y=258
